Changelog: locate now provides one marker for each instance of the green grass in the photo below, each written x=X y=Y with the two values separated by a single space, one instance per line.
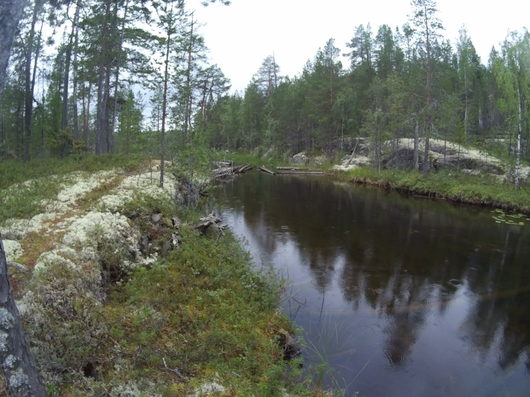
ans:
x=452 y=185
x=208 y=315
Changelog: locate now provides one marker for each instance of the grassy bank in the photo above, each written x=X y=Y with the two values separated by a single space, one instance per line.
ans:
x=199 y=317
x=451 y=185
x=481 y=190
x=113 y=306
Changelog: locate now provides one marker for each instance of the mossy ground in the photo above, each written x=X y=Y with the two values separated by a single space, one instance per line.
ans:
x=199 y=315
x=46 y=176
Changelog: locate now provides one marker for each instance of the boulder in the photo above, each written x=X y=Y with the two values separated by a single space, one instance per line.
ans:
x=299 y=158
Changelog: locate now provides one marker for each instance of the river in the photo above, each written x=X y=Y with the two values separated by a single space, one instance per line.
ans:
x=395 y=296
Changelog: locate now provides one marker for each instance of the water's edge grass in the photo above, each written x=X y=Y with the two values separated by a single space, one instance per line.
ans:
x=479 y=190
x=202 y=315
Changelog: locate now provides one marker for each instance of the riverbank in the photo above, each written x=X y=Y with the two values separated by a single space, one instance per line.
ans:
x=451 y=185
x=481 y=190
x=122 y=295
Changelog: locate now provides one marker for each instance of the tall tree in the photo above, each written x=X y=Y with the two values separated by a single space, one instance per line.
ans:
x=10 y=14
x=513 y=79
x=468 y=71
x=267 y=77
x=69 y=49
x=29 y=81
x=19 y=368
x=169 y=15
x=428 y=27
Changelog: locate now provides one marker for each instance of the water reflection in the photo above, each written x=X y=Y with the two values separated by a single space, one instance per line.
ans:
x=401 y=296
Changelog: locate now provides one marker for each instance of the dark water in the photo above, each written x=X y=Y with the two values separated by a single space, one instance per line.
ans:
x=402 y=297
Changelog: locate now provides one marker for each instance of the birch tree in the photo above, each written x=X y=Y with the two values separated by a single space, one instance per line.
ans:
x=512 y=74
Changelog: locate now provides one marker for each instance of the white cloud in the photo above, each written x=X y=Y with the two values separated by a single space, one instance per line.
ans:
x=241 y=35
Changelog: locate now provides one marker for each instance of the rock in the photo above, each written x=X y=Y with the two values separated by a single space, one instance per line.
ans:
x=155 y=218
x=351 y=162
x=442 y=154
x=299 y=158
x=209 y=389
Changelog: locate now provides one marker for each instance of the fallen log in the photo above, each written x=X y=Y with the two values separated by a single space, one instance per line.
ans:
x=225 y=172
x=245 y=168
x=291 y=169
x=266 y=170
x=300 y=172
x=297 y=170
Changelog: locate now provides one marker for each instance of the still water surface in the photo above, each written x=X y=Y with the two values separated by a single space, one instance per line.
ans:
x=400 y=296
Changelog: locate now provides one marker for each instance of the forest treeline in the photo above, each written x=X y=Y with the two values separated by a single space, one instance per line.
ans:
x=403 y=82
x=83 y=72
x=121 y=75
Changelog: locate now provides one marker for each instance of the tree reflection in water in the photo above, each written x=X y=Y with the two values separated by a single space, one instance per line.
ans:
x=404 y=264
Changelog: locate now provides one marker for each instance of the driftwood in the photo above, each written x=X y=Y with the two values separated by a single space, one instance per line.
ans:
x=266 y=170
x=229 y=171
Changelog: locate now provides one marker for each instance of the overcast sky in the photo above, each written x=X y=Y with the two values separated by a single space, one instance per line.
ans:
x=241 y=35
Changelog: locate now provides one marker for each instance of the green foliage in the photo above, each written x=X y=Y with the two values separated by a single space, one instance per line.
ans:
x=130 y=126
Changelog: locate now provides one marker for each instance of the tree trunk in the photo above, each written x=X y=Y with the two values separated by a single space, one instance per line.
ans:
x=86 y=114
x=102 y=113
x=75 y=115
x=517 y=176
x=68 y=58
x=117 y=72
x=164 y=111
x=189 y=91
x=426 y=165
x=416 y=157
x=21 y=373
x=10 y=14
x=101 y=123
x=28 y=92
x=466 y=116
